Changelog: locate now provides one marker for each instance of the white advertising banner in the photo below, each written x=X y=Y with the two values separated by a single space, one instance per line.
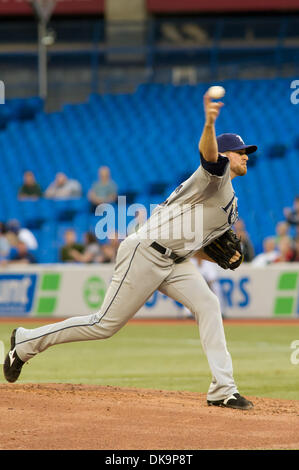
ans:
x=70 y=289
x=267 y=292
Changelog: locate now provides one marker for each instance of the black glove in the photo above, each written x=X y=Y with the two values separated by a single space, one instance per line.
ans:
x=222 y=249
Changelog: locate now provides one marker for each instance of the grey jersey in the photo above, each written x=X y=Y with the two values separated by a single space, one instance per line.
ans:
x=201 y=209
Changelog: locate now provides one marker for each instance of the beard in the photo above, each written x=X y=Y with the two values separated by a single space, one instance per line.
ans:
x=241 y=170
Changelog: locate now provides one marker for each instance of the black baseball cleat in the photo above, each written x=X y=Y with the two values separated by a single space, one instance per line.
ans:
x=233 y=401
x=12 y=365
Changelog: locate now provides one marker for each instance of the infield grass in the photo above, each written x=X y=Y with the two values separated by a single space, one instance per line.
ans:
x=170 y=357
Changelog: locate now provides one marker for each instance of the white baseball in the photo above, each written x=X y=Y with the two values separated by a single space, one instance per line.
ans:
x=216 y=92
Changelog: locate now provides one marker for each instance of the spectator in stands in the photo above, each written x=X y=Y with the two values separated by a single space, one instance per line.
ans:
x=92 y=252
x=70 y=239
x=30 y=189
x=292 y=215
x=110 y=248
x=286 y=251
x=295 y=256
x=15 y=232
x=282 y=231
x=21 y=255
x=104 y=190
x=247 y=246
x=269 y=255
x=63 y=188
x=4 y=243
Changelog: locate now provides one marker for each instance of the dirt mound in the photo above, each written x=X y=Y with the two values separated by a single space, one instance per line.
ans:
x=66 y=416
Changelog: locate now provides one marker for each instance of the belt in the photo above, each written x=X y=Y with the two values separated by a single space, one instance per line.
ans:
x=167 y=252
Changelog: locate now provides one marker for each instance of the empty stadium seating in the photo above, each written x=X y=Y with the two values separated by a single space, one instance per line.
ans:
x=149 y=140
x=19 y=109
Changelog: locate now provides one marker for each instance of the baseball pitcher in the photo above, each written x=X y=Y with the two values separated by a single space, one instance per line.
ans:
x=196 y=218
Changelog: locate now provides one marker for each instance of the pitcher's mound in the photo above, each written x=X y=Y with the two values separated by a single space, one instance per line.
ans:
x=66 y=416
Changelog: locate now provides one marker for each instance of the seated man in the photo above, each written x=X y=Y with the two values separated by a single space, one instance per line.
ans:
x=15 y=232
x=269 y=255
x=91 y=252
x=296 y=250
x=104 y=190
x=63 y=188
x=20 y=254
x=30 y=189
x=71 y=244
x=4 y=243
x=292 y=215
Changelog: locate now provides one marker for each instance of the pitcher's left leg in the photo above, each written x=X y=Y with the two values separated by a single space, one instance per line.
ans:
x=187 y=286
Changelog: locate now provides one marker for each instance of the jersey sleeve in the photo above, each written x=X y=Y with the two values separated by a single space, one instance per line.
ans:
x=215 y=168
x=213 y=174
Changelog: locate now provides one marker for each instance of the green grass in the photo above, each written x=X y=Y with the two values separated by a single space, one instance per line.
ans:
x=170 y=357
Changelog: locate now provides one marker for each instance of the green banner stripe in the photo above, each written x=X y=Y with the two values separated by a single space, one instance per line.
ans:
x=284 y=306
x=50 y=281
x=46 y=305
x=288 y=281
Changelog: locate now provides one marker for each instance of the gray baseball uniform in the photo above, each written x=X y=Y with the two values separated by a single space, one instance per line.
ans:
x=141 y=269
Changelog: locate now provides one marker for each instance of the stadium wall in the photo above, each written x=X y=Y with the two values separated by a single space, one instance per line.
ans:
x=71 y=290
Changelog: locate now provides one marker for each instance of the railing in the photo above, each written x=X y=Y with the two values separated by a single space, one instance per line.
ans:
x=206 y=48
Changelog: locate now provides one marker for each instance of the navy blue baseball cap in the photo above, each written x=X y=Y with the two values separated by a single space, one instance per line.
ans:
x=233 y=142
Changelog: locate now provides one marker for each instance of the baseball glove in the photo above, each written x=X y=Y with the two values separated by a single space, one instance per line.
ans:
x=222 y=249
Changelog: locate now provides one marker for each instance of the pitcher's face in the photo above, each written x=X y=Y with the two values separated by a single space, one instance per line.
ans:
x=238 y=162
